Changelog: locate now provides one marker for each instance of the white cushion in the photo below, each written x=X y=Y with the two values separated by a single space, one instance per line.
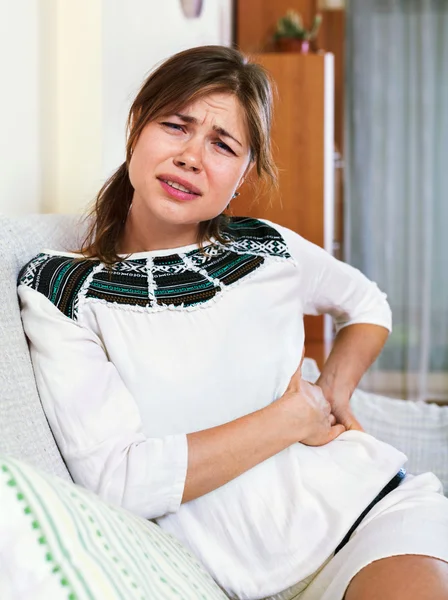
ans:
x=62 y=542
x=24 y=429
x=418 y=429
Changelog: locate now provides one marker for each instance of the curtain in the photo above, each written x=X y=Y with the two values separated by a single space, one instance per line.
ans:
x=396 y=182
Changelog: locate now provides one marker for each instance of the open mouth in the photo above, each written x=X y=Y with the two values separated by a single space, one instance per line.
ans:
x=175 y=185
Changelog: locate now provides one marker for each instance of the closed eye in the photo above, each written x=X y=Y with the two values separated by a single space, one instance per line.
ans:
x=225 y=147
x=178 y=127
x=175 y=126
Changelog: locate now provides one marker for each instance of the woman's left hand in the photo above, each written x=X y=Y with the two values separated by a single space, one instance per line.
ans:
x=340 y=408
x=345 y=416
x=341 y=412
x=354 y=349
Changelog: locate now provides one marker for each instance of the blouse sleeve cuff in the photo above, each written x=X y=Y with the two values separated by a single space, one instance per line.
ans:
x=381 y=320
x=179 y=466
x=151 y=482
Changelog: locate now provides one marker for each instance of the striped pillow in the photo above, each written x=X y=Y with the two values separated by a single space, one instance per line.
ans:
x=60 y=541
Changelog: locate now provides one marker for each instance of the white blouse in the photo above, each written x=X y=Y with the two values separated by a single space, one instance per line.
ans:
x=168 y=342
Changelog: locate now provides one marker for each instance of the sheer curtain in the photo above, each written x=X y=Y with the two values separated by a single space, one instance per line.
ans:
x=396 y=228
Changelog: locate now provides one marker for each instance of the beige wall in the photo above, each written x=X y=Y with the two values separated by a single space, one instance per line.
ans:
x=71 y=100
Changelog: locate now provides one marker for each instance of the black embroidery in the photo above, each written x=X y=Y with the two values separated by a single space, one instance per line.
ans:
x=177 y=280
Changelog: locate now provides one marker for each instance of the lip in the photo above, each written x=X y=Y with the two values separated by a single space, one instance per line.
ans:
x=184 y=182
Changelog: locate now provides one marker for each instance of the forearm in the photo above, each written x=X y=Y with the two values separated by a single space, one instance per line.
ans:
x=354 y=350
x=219 y=454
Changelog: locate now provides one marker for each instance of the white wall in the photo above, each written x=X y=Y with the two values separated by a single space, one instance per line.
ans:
x=138 y=34
x=20 y=168
x=70 y=71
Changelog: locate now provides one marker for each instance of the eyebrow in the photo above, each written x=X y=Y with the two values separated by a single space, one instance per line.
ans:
x=220 y=130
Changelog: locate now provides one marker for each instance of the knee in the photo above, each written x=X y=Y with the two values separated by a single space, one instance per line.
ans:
x=407 y=577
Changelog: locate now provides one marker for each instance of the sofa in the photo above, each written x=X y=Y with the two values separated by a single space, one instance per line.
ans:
x=29 y=453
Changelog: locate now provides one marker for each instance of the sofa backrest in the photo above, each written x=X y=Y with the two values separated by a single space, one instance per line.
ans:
x=24 y=431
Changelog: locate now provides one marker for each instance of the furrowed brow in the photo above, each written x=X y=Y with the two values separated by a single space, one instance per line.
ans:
x=225 y=133
x=220 y=130
x=186 y=118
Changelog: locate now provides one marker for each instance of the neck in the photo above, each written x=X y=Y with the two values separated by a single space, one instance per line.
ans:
x=143 y=232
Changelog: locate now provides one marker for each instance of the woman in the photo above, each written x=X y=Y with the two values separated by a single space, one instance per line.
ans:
x=167 y=358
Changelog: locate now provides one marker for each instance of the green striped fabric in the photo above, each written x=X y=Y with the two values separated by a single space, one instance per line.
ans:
x=59 y=541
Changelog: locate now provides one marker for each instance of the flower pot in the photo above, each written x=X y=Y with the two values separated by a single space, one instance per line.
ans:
x=293 y=45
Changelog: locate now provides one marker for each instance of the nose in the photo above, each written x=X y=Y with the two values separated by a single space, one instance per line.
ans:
x=189 y=158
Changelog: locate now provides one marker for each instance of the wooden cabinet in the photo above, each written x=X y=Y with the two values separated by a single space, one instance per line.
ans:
x=303 y=145
x=256 y=20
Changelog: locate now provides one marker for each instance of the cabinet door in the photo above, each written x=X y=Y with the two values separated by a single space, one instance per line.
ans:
x=303 y=147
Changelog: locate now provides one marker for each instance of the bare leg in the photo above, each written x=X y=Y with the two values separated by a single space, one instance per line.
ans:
x=408 y=577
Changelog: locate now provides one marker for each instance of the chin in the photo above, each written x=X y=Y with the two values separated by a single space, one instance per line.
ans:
x=182 y=214
x=176 y=217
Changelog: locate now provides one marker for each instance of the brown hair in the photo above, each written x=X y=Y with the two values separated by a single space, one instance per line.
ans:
x=184 y=77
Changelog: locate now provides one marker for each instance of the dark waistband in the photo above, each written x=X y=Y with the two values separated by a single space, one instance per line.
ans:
x=393 y=483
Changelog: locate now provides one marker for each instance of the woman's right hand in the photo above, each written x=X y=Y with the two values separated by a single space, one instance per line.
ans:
x=308 y=412
x=301 y=415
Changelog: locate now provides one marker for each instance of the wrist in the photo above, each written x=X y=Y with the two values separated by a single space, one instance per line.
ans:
x=282 y=419
x=335 y=394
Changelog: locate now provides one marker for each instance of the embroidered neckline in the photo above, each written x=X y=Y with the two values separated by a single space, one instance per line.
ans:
x=174 y=280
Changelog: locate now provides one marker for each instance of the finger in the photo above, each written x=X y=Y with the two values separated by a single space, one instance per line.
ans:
x=350 y=422
x=299 y=368
x=332 y=419
x=297 y=375
x=354 y=425
x=295 y=382
x=335 y=431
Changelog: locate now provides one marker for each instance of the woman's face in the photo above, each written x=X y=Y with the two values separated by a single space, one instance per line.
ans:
x=185 y=167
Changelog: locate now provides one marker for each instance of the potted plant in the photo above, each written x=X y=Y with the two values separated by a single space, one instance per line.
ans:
x=292 y=36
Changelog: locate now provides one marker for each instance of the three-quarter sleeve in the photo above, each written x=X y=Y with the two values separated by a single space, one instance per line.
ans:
x=94 y=417
x=329 y=286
